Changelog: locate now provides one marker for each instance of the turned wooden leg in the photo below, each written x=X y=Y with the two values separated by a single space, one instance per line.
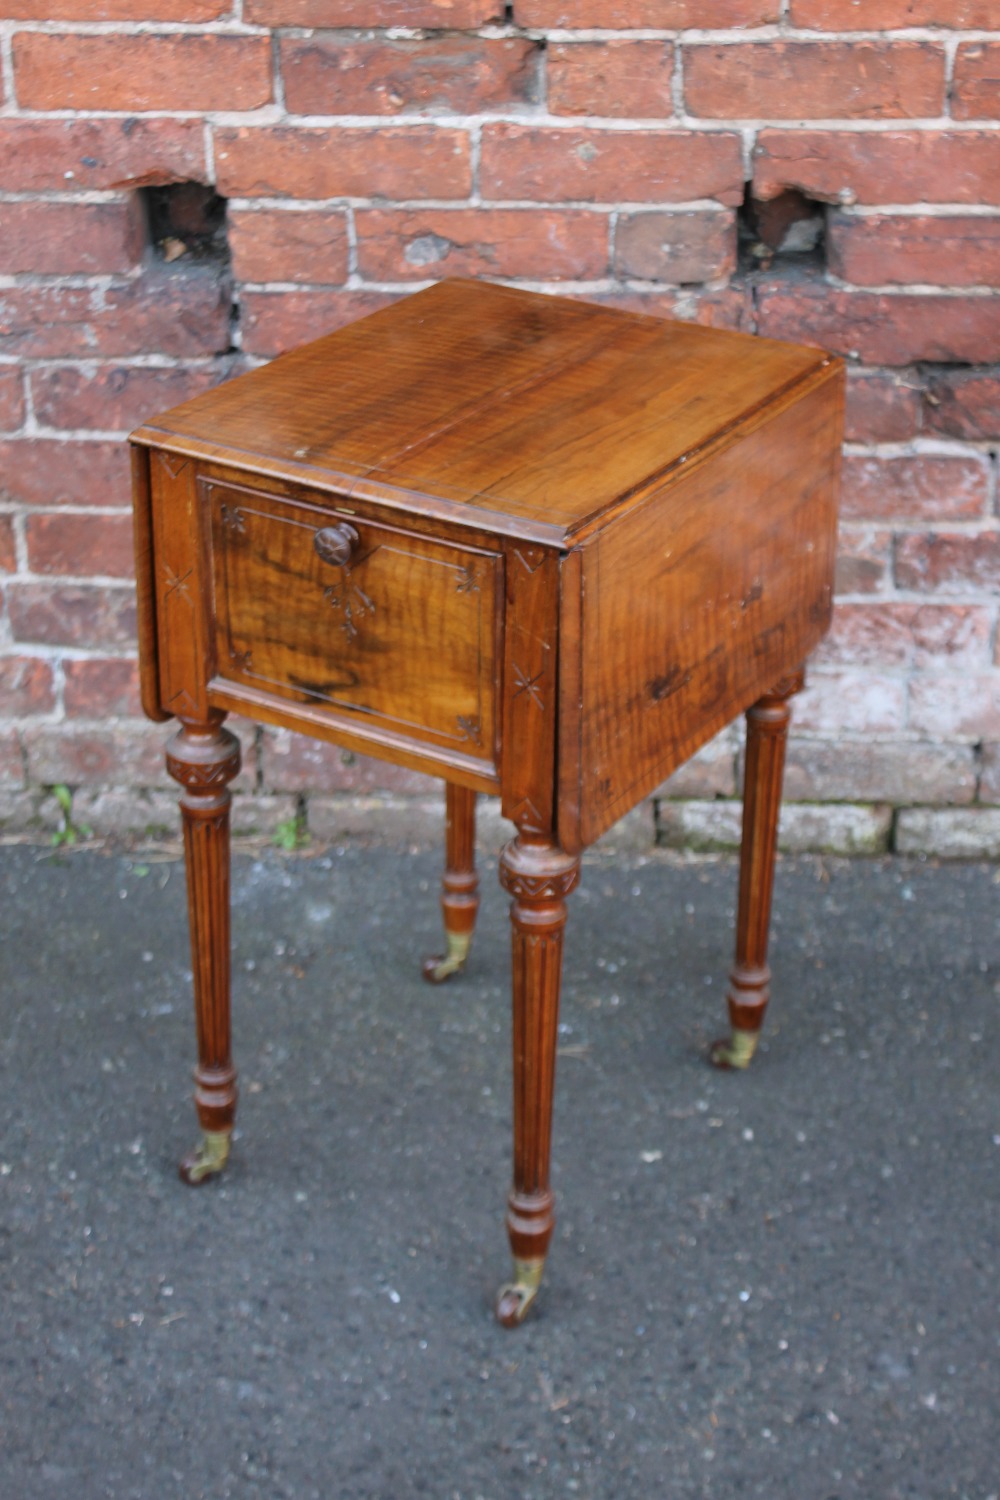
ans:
x=750 y=977
x=539 y=876
x=204 y=758
x=459 y=887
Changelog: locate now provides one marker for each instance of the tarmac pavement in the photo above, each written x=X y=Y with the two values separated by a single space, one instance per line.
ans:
x=783 y=1284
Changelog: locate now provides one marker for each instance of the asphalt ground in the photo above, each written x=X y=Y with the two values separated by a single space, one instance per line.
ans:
x=776 y=1284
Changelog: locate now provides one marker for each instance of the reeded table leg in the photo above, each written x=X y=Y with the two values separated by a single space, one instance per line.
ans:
x=204 y=758
x=750 y=977
x=460 y=885
x=539 y=876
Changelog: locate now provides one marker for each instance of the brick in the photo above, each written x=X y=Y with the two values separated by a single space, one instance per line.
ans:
x=881 y=15
x=114 y=754
x=676 y=247
x=118 y=10
x=711 y=307
x=632 y=80
x=610 y=166
x=989 y=779
x=962 y=833
x=960 y=563
x=89 y=615
x=963 y=404
x=102 y=686
x=297 y=763
x=8 y=548
x=663 y=14
x=411 y=823
x=815 y=80
x=851 y=702
x=11 y=760
x=882 y=328
x=53 y=155
x=276 y=321
x=402 y=245
x=63 y=239
x=956 y=706
x=49 y=473
x=862 y=560
x=80 y=546
x=326 y=75
x=26 y=686
x=451 y=14
x=114 y=397
x=412 y=161
x=908 y=637
x=872 y=167
x=146 y=71
x=975 y=90
x=11 y=399
x=896 y=249
x=917 y=487
x=269 y=245
x=149 y=814
x=870 y=770
x=804 y=829
x=175 y=313
x=882 y=408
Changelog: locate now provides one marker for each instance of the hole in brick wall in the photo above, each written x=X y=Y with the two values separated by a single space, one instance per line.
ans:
x=790 y=228
x=187 y=222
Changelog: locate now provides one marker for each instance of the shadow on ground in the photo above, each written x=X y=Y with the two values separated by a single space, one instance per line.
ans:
x=782 y=1284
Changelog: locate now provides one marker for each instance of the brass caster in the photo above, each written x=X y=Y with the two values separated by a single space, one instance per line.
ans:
x=207 y=1159
x=515 y=1297
x=734 y=1051
x=437 y=970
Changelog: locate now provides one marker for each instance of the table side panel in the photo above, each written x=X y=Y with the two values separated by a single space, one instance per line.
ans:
x=530 y=687
x=697 y=603
x=186 y=659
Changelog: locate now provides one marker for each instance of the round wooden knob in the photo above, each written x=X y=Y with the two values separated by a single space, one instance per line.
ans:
x=335 y=544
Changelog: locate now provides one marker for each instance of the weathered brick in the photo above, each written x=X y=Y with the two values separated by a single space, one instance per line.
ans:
x=975 y=90
x=401 y=245
x=11 y=760
x=110 y=754
x=65 y=614
x=915 y=487
x=271 y=245
x=989 y=774
x=297 y=763
x=711 y=307
x=632 y=80
x=175 y=313
x=451 y=14
x=960 y=833
x=956 y=706
x=863 y=560
x=870 y=770
x=961 y=563
x=80 y=546
x=882 y=408
x=118 y=10
x=908 y=637
x=963 y=404
x=102 y=687
x=276 y=321
x=882 y=328
x=665 y=14
x=8 y=547
x=168 y=71
x=882 y=15
x=709 y=773
x=114 y=397
x=815 y=80
x=610 y=166
x=676 y=247
x=851 y=702
x=401 y=161
x=897 y=249
x=11 y=400
x=26 y=686
x=895 y=166
x=49 y=155
x=327 y=75
x=46 y=472
x=833 y=829
x=63 y=239
x=147 y=813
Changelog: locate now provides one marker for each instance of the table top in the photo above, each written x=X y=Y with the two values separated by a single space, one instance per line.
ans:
x=526 y=415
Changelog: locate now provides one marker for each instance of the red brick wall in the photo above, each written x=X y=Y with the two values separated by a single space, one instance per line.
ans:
x=604 y=149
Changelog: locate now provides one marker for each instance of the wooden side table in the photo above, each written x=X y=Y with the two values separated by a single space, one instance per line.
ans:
x=537 y=547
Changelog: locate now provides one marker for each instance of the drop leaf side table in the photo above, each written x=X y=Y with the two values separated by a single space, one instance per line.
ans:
x=536 y=547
